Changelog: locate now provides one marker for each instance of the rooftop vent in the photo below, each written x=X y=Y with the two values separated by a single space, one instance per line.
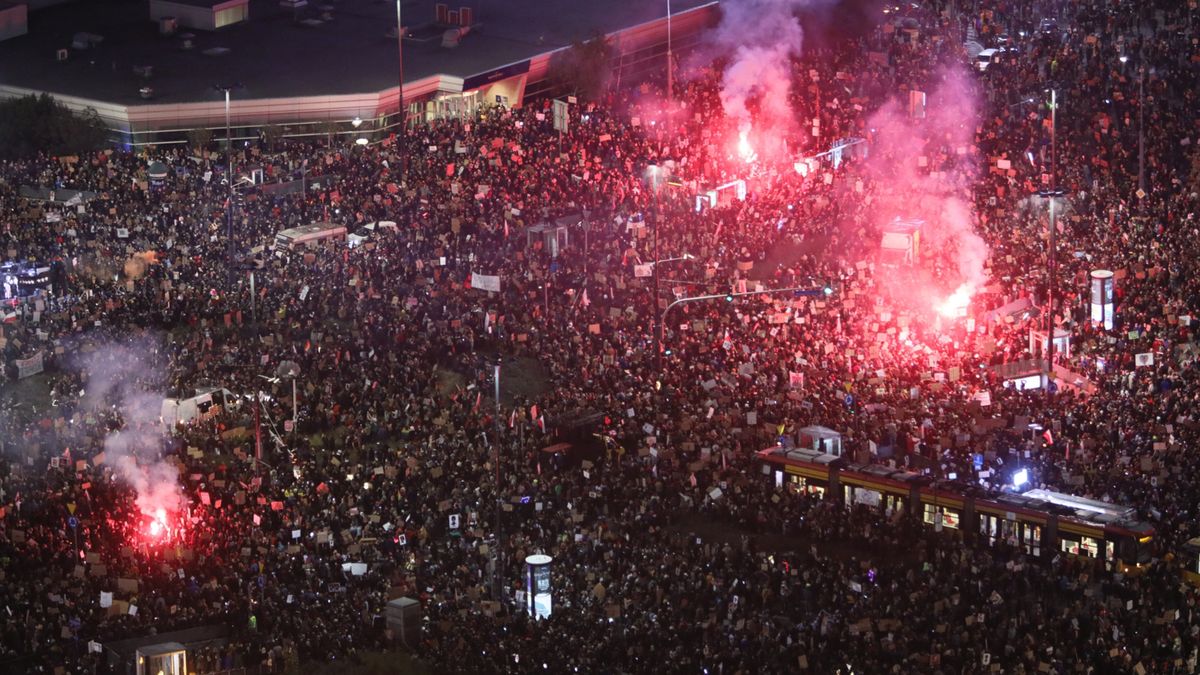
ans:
x=451 y=38
x=86 y=40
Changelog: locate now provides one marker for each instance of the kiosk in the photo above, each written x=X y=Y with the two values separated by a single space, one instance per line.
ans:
x=538 y=600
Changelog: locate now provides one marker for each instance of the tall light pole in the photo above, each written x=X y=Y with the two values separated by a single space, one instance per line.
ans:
x=227 y=88
x=670 y=73
x=1052 y=195
x=1141 y=133
x=658 y=328
x=497 y=573
x=400 y=51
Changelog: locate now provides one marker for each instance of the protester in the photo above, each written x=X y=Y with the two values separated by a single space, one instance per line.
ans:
x=396 y=430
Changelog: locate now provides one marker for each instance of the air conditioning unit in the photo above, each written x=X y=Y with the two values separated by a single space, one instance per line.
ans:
x=465 y=15
x=453 y=36
x=62 y=55
x=442 y=12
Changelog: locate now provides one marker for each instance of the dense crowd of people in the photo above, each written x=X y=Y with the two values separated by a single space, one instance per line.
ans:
x=671 y=550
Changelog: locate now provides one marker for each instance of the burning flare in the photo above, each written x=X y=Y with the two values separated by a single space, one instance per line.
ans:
x=956 y=304
x=745 y=151
x=158 y=524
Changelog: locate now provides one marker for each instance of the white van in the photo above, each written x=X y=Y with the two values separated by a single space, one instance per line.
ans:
x=369 y=231
x=987 y=57
x=207 y=402
x=307 y=235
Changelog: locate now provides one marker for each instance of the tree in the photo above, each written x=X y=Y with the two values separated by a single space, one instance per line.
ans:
x=33 y=124
x=199 y=138
x=271 y=135
x=583 y=69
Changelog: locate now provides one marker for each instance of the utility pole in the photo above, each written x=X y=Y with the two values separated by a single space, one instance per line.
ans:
x=229 y=243
x=400 y=51
x=1052 y=255
x=658 y=328
x=497 y=575
x=670 y=69
x=1141 y=133
x=229 y=180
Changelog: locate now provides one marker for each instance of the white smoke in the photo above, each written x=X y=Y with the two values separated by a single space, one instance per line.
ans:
x=126 y=382
x=760 y=37
x=940 y=193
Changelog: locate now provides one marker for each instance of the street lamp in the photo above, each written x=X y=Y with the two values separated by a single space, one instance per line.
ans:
x=1052 y=197
x=400 y=52
x=670 y=74
x=227 y=88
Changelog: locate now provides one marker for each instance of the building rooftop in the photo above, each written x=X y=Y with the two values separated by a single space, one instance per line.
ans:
x=205 y=4
x=280 y=53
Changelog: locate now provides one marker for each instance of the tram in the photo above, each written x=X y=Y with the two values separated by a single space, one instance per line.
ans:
x=1042 y=522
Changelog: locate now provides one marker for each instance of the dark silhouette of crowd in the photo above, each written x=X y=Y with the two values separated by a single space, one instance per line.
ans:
x=672 y=551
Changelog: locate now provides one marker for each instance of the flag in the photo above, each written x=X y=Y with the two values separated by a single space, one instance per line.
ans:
x=584 y=300
x=478 y=400
x=533 y=412
x=541 y=420
x=1049 y=437
x=512 y=419
x=692 y=480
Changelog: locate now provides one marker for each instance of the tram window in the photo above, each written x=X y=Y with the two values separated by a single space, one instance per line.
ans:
x=987 y=526
x=1033 y=539
x=1086 y=546
x=950 y=518
x=1009 y=529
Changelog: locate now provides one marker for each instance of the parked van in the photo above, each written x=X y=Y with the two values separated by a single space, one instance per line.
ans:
x=206 y=403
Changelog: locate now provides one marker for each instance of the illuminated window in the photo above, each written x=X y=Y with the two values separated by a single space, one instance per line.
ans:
x=948 y=517
x=802 y=485
x=987 y=526
x=1033 y=539
x=1086 y=546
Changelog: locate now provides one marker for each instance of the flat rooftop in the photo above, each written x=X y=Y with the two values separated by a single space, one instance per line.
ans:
x=275 y=55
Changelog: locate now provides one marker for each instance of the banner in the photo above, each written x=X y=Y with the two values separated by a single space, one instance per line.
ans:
x=641 y=271
x=1145 y=359
x=30 y=366
x=485 y=282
